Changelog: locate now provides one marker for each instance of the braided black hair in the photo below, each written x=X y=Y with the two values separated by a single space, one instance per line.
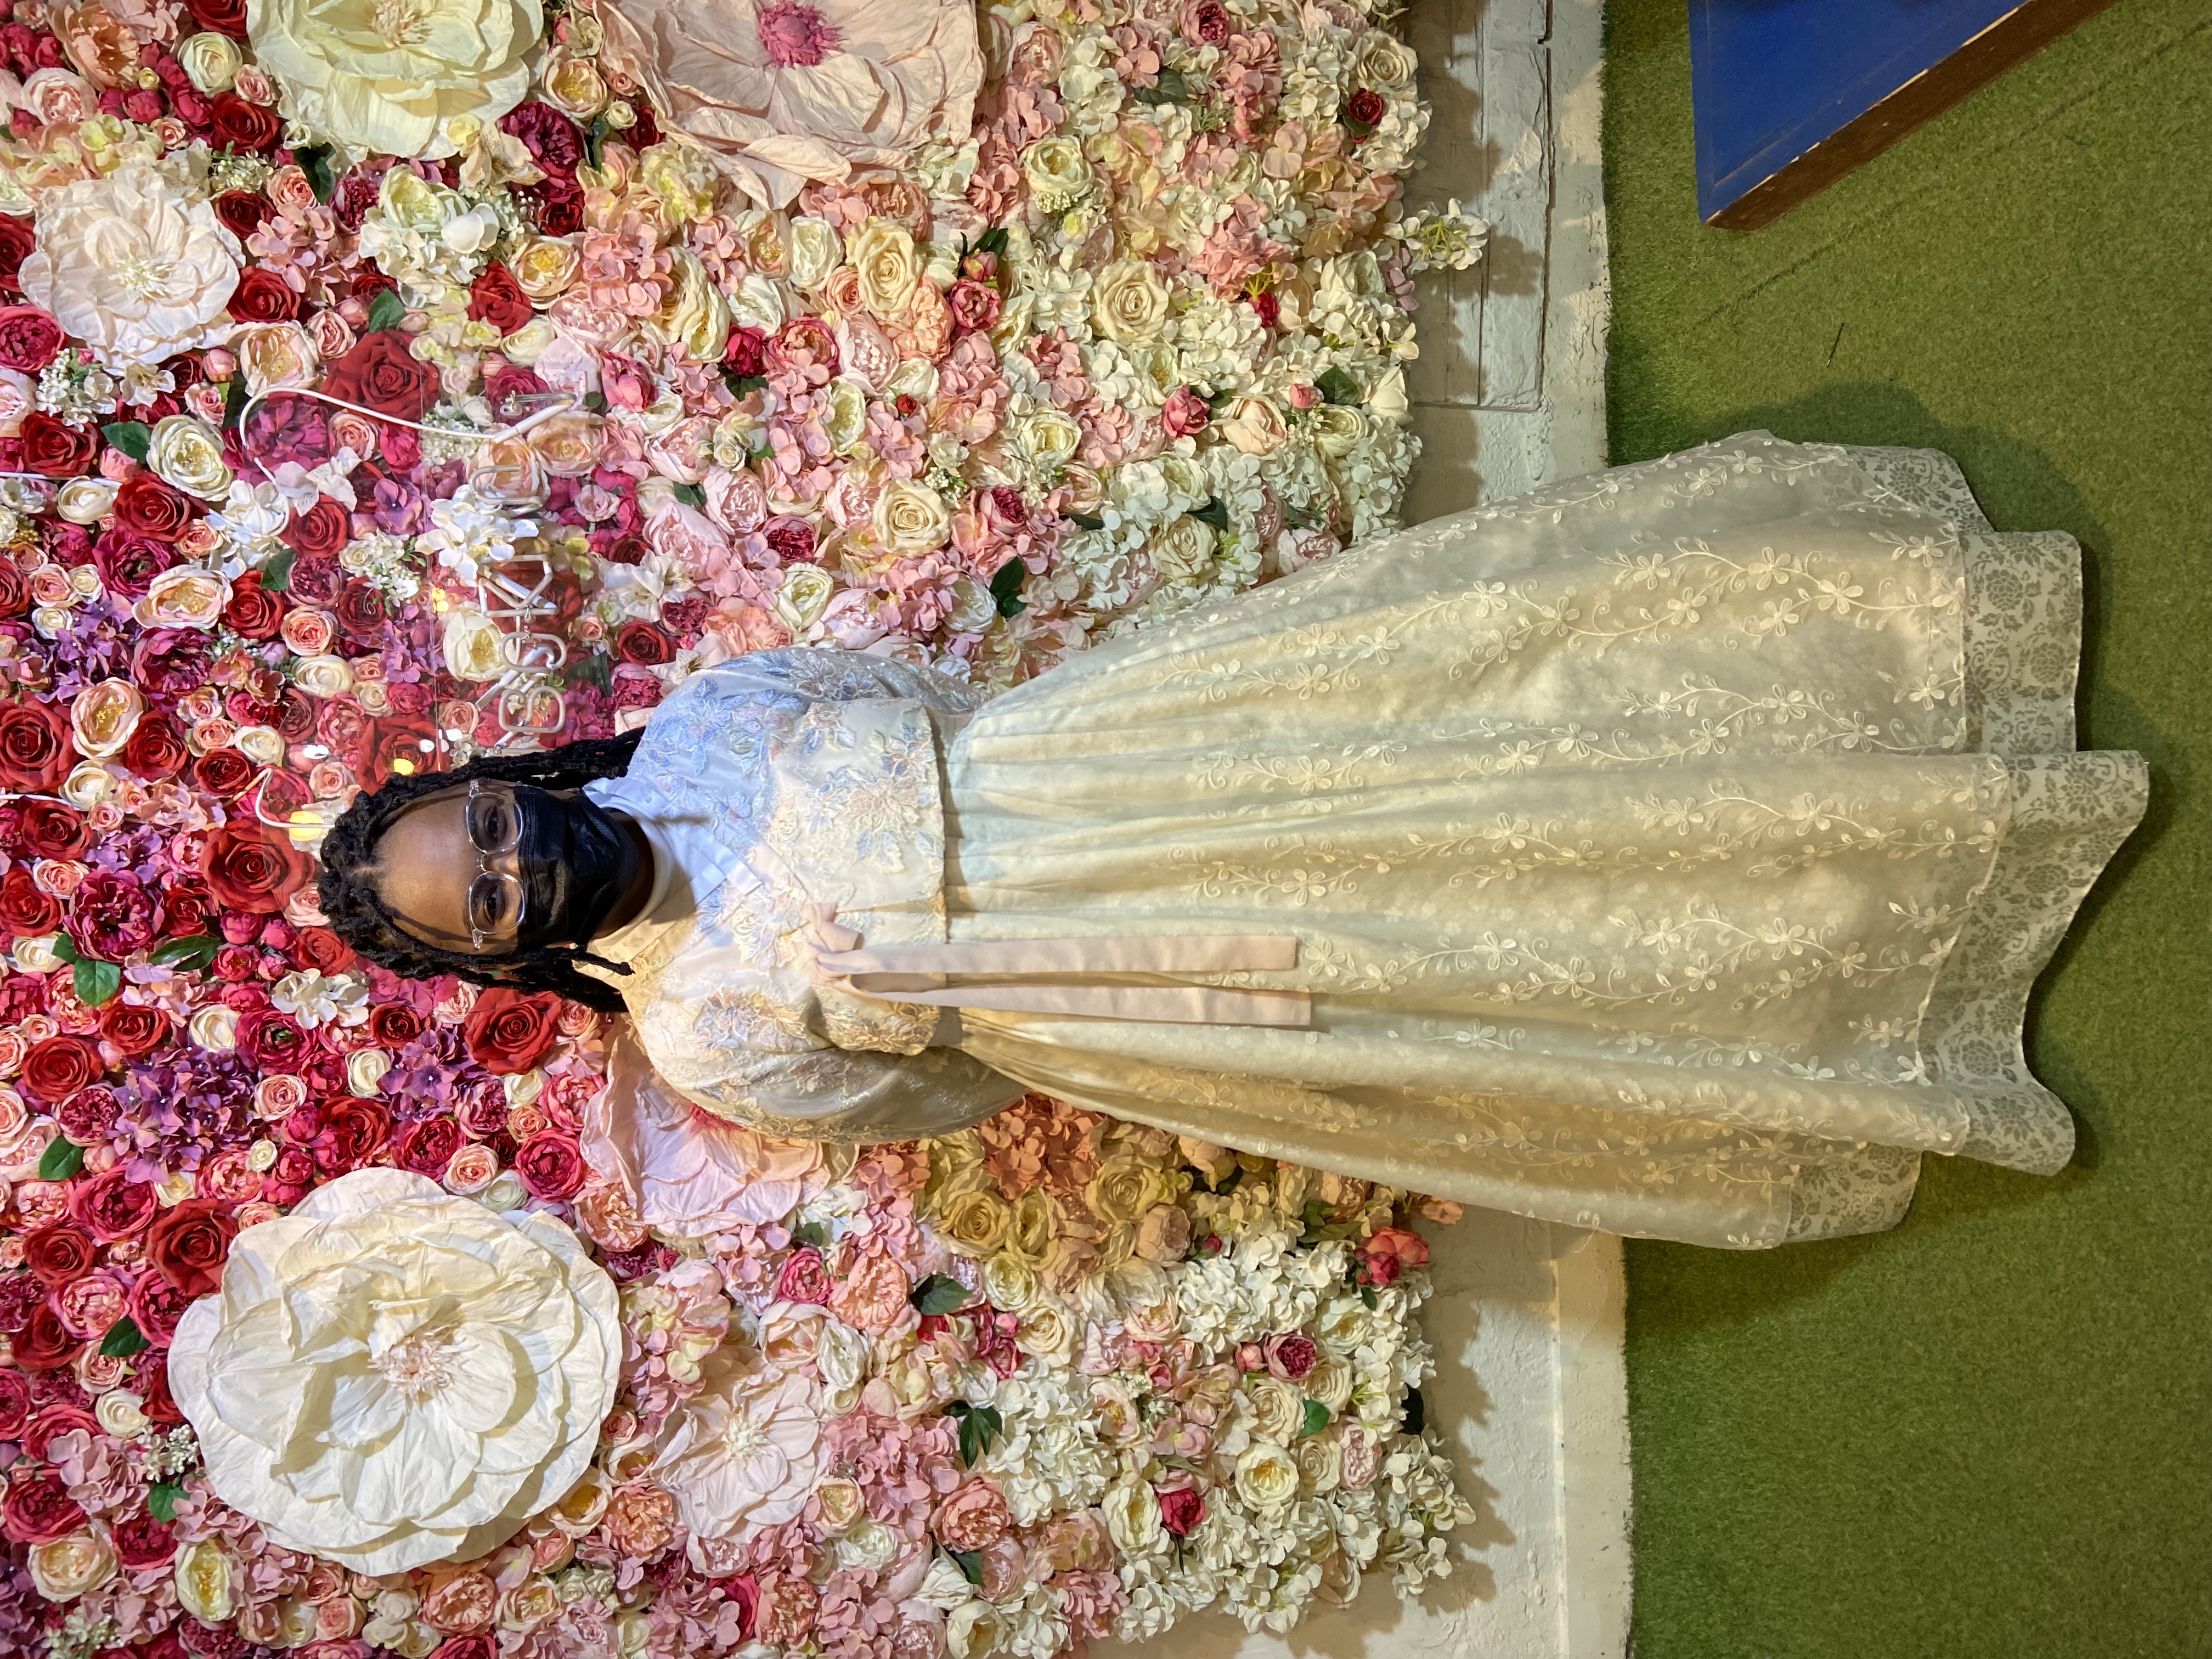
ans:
x=359 y=915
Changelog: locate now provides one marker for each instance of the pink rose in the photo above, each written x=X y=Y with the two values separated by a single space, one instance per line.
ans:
x=1291 y=1357
x=973 y=1518
x=804 y=1277
x=871 y=1296
x=641 y=1520
x=1185 y=413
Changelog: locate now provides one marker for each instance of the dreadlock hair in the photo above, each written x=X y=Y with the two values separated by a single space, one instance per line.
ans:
x=359 y=915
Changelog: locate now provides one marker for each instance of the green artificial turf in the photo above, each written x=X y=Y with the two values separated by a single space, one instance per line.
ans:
x=1989 y=1431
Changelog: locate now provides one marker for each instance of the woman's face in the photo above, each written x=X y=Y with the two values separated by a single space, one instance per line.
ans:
x=425 y=865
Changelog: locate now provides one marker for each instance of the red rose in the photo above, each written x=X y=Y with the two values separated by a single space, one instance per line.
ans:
x=55 y=448
x=223 y=773
x=243 y=211
x=14 y=592
x=428 y=1146
x=58 y=1067
x=1364 y=110
x=243 y=126
x=321 y=532
x=170 y=661
x=323 y=950
x=414 y=741
x=255 y=868
x=17 y=238
x=134 y=1028
x=141 y=1543
x=393 y=1025
x=550 y=1165
x=156 y=1305
x=29 y=338
x=479 y=1646
x=188 y=1242
x=360 y=612
x=14 y=1403
x=25 y=911
x=59 y=1253
x=53 y=1420
x=113 y=915
x=790 y=538
x=497 y=298
x=378 y=373
x=112 y=1205
x=262 y=296
x=508 y=1032
x=150 y=507
x=156 y=749
x=89 y=1116
x=34 y=747
x=271 y=1041
x=223 y=17
x=643 y=643
x=44 y=1344
x=742 y=356
x=352 y=1132
x=38 y=1509
x=128 y=561
x=253 y=613
x=1182 y=1510
x=52 y=829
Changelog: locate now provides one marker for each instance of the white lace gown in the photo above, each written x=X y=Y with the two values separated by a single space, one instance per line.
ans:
x=1671 y=851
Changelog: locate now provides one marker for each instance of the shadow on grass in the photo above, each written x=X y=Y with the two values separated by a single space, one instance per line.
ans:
x=2019 y=488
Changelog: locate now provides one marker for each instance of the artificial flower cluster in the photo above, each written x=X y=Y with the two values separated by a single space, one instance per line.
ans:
x=383 y=383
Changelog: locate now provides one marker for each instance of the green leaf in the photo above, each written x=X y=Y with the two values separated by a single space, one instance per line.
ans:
x=1338 y=386
x=96 y=982
x=61 y=1160
x=811 y=1234
x=162 y=1501
x=1367 y=1298
x=386 y=310
x=993 y=241
x=1215 y=513
x=234 y=399
x=598 y=668
x=743 y=385
x=133 y=438
x=1083 y=521
x=1417 y=1413
x=970 y=1562
x=1316 y=1418
x=124 y=1339
x=690 y=495
x=1006 y=587
x=594 y=135
x=1170 y=88
x=978 y=1429
x=314 y=161
x=939 y=1294
x=277 y=571
x=66 y=949
x=596 y=401
x=195 y=950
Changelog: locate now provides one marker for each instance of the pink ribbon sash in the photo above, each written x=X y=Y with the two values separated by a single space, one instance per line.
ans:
x=918 y=973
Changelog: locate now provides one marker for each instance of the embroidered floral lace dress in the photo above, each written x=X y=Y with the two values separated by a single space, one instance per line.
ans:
x=1669 y=851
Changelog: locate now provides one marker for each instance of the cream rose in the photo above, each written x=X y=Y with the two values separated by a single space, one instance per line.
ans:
x=884 y=255
x=1267 y=1475
x=186 y=452
x=209 y=60
x=273 y=355
x=696 y=316
x=1128 y=302
x=185 y=597
x=1132 y=1518
x=1384 y=62
x=203 y=1572
x=1122 y=1190
x=975 y=1224
x=911 y=518
x=1058 y=175
x=814 y=251
x=1049 y=438
x=1278 y=1409
x=86 y=501
x=365 y=1069
x=132 y=265
x=102 y=717
x=66 y=1568
x=1254 y=425
x=391 y=1376
x=385 y=77
x=471 y=642
x=802 y=596
x=1183 y=549
x=214 y=1029
x=546 y=267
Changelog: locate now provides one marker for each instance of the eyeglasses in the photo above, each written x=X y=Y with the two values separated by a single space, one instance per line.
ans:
x=495 y=901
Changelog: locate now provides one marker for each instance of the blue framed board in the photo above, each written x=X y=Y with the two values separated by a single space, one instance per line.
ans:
x=1792 y=94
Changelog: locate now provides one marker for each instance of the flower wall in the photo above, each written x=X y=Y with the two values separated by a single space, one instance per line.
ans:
x=381 y=383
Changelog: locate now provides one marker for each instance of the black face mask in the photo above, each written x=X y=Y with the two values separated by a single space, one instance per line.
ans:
x=576 y=862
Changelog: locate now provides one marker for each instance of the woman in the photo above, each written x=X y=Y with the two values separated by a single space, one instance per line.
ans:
x=1669 y=851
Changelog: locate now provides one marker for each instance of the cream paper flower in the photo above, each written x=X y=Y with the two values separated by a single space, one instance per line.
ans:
x=744 y=1452
x=132 y=265
x=386 y=77
x=782 y=91
x=391 y=1376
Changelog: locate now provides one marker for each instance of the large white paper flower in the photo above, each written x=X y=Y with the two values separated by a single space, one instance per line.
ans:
x=783 y=91
x=744 y=1452
x=385 y=76
x=132 y=265
x=391 y=1376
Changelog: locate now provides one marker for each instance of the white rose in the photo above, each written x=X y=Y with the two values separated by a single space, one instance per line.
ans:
x=1338 y=429
x=1132 y=1518
x=1383 y=62
x=66 y=1568
x=472 y=645
x=214 y=1029
x=802 y=596
x=323 y=676
x=814 y=252
x=121 y=1413
x=1128 y=302
x=365 y=1069
x=1278 y=1409
x=1050 y=438
x=387 y=79
x=757 y=303
x=132 y=265
x=88 y=785
x=86 y=501
x=883 y=255
x=187 y=453
x=1267 y=1475
x=972 y=1629
x=911 y=518
x=841 y=1355
x=209 y=60
x=445 y=1380
x=1058 y=174
x=1182 y=551
x=1387 y=401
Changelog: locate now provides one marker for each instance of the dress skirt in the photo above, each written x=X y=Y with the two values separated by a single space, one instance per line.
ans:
x=1671 y=851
